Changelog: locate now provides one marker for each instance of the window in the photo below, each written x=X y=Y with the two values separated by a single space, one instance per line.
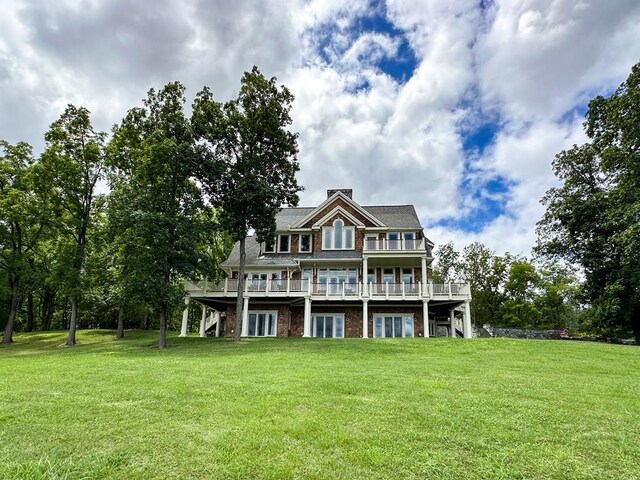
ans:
x=269 y=247
x=407 y=275
x=392 y=325
x=283 y=243
x=393 y=240
x=305 y=243
x=409 y=241
x=262 y=324
x=388 y=275
x=337 y=237
x=331 y=280
x=371 y=275
x=371 y=242
x=327 y=326
x=307 y=276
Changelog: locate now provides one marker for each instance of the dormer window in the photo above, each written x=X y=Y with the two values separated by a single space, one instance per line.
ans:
x=269 y=247
x=337 y=237
x=283 y=243
x=305 y=243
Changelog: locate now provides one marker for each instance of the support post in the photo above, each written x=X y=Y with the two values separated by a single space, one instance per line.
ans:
x=365 y=319
x=423 y=262
x=467 y=320
x=452 y=321
x=245 y=317
x=365 y=272
x=307 y=317
x=203 y=320
x=185 y=317
x=216 y=318
x=425 y=317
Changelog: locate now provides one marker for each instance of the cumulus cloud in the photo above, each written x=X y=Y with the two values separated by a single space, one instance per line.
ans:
x=523 y=67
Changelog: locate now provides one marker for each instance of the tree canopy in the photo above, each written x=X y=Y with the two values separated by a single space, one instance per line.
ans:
x=249 y=160
x=593 y=218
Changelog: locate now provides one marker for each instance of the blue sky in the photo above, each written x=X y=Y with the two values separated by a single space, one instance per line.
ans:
x=457 y=107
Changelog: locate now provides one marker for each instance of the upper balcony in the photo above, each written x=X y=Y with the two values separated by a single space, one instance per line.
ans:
x=335 y=291
x=399 y=245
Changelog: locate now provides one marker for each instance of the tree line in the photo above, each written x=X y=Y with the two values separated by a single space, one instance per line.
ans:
x=587 y=270
x=182 y=189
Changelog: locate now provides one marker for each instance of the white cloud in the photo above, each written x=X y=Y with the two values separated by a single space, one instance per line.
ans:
x=523 y=62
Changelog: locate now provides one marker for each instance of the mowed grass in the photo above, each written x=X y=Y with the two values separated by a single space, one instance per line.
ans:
x=319 y=409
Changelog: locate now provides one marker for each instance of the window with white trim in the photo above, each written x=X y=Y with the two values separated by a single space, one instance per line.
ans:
x=392 y=325
x=283 y=243
x=331 y=280
x=304 y=245
x=327 y=325
x=269 y=247
x=388 y=275
x=262 y=324
x=337 y=237
x=407 y=275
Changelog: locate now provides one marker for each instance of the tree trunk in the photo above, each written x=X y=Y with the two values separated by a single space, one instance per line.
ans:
x=635 y=322
x=71 y=339
x=237 y=333
x=144 y=322
x=29 y=326
x=48 y=304
x=13 y=311
x=163 y=326
x=120 y=333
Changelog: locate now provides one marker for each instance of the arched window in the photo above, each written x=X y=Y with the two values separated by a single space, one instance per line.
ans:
x=337 y=236
x=337 y=233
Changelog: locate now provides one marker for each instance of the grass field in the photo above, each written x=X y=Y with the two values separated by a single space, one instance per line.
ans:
x=304 y=408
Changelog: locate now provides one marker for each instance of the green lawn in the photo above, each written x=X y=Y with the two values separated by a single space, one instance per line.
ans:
x=302 y=408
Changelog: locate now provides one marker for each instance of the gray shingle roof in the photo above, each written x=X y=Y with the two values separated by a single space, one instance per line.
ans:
x=396 y=216
x=290 y=216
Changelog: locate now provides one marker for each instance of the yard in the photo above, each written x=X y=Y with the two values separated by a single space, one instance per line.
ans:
x=303 y=408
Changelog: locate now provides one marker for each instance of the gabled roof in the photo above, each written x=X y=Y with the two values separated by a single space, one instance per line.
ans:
x=349 y=201
x=333 y=212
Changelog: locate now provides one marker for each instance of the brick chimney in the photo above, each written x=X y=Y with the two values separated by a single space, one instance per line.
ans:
x=345 y=191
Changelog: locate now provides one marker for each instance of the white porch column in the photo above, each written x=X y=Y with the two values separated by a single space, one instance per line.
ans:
x=365 y=319
x=245 y=317
x=306 y=331
x=425 y=317
x=365 y=274
x=216 y=318
x=185 y=317
x=424 y=276
x=467 y=320
x=203 y=320
x=452 y=322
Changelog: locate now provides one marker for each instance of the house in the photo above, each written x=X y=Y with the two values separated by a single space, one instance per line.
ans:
x=336 y=270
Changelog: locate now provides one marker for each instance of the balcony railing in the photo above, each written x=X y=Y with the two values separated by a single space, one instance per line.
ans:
x=301 y=288
x=402 y=244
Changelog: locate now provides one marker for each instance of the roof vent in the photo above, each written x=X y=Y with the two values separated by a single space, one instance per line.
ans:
x=346 y=191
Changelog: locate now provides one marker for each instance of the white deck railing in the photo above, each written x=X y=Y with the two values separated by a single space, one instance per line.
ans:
x=301 y=288
x=402 y=244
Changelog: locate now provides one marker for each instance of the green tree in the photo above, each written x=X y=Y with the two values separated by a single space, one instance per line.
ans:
x=24 y=217
x=74 y=159
x=447 y=263
x=519 y=309
x=593 y=219
x=156 y=202
x=249 y=160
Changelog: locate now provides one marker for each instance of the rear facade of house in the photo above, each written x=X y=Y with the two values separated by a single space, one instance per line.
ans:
x=334 y=271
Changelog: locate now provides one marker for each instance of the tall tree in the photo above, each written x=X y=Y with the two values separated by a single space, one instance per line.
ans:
x=156 y=201
x=24 y=216
x=249 y=160
x=75 y=158
x=447 y=263
x=593 y=219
